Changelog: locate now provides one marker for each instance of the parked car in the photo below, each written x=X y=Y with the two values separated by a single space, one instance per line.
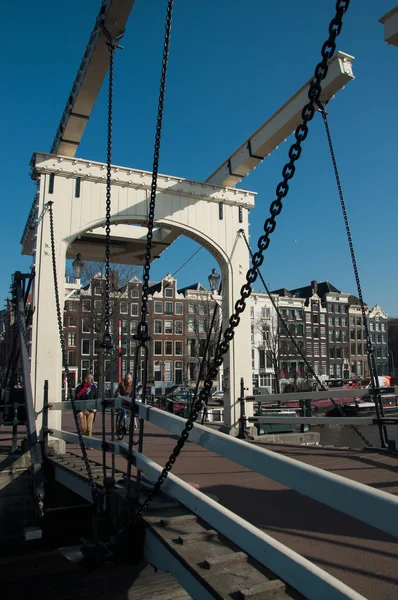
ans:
x=218 y=397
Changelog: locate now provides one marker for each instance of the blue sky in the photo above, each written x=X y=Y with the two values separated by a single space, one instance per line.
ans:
x=232 y=65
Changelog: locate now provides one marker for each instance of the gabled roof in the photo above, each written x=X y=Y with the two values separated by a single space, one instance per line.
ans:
x=307 y=291
x=282 y=292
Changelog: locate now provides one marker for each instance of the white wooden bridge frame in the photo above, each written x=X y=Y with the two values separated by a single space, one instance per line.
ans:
x=372 y=506
x=210 y=213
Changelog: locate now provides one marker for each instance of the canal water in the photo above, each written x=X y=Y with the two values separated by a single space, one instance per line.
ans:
x=339 y=435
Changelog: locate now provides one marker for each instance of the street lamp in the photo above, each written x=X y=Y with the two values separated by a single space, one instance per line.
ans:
x=78 y=265
x=214 y=279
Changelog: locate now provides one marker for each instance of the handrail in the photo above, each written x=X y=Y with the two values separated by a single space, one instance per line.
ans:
x=372 y=506
x=319 y=395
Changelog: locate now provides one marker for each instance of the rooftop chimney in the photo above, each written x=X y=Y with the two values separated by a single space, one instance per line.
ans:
x=314 y=287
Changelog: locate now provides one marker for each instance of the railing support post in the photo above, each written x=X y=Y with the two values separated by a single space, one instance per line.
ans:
x=243 y=434
x=14 y=445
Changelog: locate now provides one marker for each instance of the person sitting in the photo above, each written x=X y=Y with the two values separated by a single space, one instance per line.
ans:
x=87 y=390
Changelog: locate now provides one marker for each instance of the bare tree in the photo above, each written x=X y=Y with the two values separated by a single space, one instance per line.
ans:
x=276 y=345
x=200 y=325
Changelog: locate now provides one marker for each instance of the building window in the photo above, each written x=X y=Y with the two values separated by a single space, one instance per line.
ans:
x=201 y=326
x=134 y=309
x=337 y=322
x=98 y=306
x=343 y=336
x=300 y=329
x=168 y=308
x=178 y=327
x=191 y=308
x=168 y=292
x=343 y=322
x=72 y=339
x=353 y=349
x=316 y=348
x=133 y=327
x=323 y=348
x=323 y=332
x=167 y=370
x=359 y=321
x=98 y=289
x=158 y=326
x=331 y=335
x=168 y=348
x=316 y=332
x=96 y=346
x=308 y=317
x=158 y=308
x=124 y=327
x=86 y=305
x=157 y=348
x=192 y=371
x=85 y=347
x=359 y=334
x=352 y=334
x=192 y=347
x=309 y=348
x=383 y=326
x=168 y=327
x=338 y=335
x=178 y=349
x=322 y=319
x=178 y=372
x=85 y=326
x=178 y=308
x=331 y=321
x=331 y=352
x=191 y=325
x=135 y=292
x=132 y=347
x=85 y=364
x=201 y=308
x=71 y=358
x=124 y=307
x=72 y=306
x=72 y=321
x=315 y=318
x=315 y=306
x=330 y=307
x=378 y=352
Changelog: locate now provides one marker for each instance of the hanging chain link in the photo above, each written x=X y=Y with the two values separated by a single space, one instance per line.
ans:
x=327 y=51
x=22 y=329
x=95 y=492
x=107 y=338
x=299 y=351
x=143 y=326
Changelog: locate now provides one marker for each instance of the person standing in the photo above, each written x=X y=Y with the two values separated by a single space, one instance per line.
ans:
x=87 y=390
x=125 y=389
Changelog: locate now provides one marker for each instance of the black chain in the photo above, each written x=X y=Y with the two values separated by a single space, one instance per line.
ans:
x=107 y=338
x=75 y=410
x=327 y=51
x=299 y=351
x=143 y=326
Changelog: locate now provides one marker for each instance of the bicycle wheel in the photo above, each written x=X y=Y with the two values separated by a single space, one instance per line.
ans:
x=120 y=428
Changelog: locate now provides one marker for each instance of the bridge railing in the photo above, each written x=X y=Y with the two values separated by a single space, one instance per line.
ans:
x=371 y=506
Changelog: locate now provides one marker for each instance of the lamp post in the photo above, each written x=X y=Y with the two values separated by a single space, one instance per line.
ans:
x=78 y=265
x=214 y=279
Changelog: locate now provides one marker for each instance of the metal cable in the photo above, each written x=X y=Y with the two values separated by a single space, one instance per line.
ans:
x=308 y=365
x=369 y=347
x=301 y=132
x=94 y=490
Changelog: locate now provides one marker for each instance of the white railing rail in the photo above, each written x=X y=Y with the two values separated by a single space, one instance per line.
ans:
x=297 y=571
x=372 y=506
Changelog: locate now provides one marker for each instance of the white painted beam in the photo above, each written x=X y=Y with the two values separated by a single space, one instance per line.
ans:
x=360 y=501
x=90 y=77
x=313 y=582
x=315 y=420
x=280 y=125
x=390 y=22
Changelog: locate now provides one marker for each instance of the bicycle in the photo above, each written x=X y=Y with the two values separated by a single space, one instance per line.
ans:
x=121 y=424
